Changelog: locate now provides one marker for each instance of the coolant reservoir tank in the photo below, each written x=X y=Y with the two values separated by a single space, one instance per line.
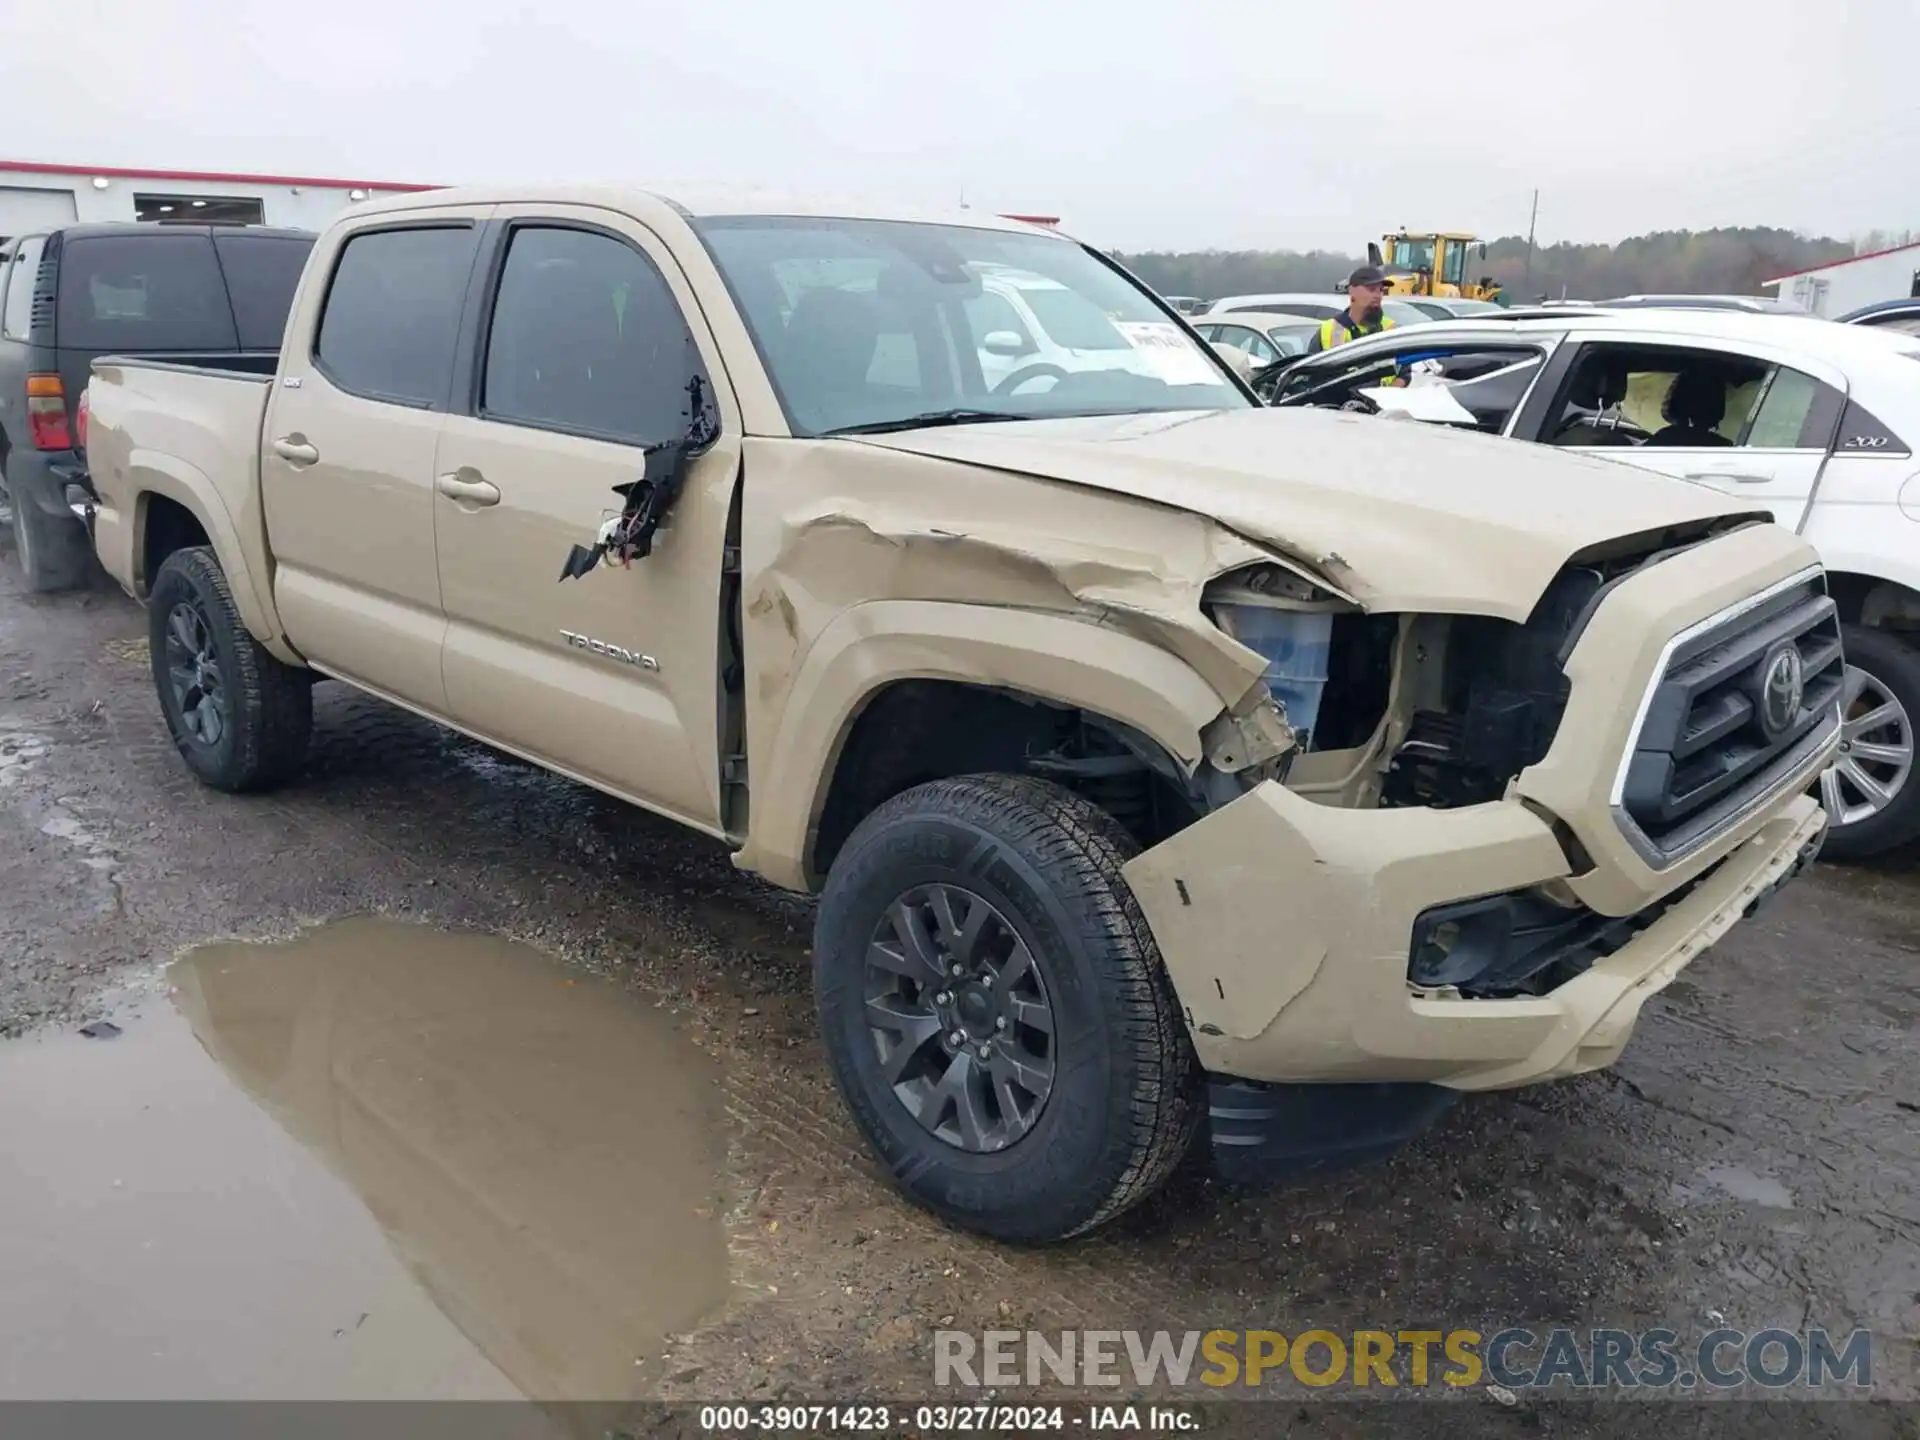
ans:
x=1296 y=644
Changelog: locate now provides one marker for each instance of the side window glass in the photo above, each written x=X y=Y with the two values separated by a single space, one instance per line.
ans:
x=21 y=275
x=1620 y=395
x=387 y=330
x=586 y=336
x=1491 y=384
x=1783 y=411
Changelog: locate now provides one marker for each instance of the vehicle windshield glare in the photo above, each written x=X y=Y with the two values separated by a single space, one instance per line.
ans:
x=878 y=324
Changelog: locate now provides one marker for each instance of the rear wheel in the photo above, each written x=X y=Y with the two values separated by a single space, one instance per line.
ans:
x=995 y=1009
x=1870 y=792
x=240 y=718
x=54 y=551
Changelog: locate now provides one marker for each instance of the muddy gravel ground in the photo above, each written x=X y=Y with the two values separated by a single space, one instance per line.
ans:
x=1753 y=1158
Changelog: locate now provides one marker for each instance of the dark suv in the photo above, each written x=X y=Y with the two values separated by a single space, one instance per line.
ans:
x=70 y=295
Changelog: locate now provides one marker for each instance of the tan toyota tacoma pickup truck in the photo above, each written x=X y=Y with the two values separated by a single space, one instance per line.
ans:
x=1165 y=765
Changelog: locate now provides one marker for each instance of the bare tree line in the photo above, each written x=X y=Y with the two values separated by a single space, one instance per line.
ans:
x=1729 y=260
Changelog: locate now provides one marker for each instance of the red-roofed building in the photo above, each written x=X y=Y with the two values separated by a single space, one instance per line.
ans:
x=37 y=195
x=1835 y=288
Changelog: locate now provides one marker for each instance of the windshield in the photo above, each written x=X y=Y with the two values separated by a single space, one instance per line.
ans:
x=1411 y=255
x=874 y=324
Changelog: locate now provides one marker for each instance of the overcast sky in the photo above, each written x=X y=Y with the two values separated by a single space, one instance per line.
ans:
x=1146 y=123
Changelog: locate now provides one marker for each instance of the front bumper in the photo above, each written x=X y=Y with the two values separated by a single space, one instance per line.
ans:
x=1286 y=926
x=1260 y=1131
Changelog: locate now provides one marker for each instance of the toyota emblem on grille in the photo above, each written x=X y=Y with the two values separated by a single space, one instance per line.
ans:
x=1783 y=687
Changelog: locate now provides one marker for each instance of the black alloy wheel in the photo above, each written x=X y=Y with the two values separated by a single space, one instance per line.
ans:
x=960 y=1019
x=193 y=669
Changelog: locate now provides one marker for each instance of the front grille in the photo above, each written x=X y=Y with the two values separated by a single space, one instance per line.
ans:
x=1719 y=732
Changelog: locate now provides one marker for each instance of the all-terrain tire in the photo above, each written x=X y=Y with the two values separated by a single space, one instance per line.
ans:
x=1894 y=667
x=1127 y=1094
x=268 y=704
x=54 y=551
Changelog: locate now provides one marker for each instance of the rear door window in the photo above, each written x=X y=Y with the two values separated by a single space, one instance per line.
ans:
x=142 y=293
x=1786 y=406
x=392 y=311
x=262 y=272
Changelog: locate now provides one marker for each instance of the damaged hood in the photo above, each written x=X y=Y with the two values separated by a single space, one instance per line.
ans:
x=1400 y=515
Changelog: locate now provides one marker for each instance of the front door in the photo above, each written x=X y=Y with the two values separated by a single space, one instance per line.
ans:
x=346 y=467
x=588 y=340
x=1735 y=418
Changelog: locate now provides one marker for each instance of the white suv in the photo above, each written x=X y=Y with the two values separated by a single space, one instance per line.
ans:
x=1814 y=423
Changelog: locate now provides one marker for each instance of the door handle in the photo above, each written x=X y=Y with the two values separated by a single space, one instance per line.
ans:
x=295 y=452
x=1738 y=477
x=468 y=492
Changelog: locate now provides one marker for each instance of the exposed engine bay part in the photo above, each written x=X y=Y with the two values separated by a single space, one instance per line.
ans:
x=1502 y=695
x=1249 y=742
x=628 y=536
x=1502 y=688
x=1287 y=620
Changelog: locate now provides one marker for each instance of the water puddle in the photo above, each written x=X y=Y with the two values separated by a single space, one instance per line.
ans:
x=1740 y=1184
x=377 y=1161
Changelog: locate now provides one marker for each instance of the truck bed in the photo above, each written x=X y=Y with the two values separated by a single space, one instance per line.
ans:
x=157 y=425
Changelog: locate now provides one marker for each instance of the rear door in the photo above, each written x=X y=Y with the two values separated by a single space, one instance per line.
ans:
x=346 y=465
x=1778 y=415
x=587 y=337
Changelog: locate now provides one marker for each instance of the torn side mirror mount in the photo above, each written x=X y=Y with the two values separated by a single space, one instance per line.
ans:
x=628 y=536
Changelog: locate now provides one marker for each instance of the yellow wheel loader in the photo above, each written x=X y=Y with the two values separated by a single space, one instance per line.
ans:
x=1432 y=263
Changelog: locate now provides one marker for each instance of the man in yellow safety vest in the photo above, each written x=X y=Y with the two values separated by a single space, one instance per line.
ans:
x=1366 y=289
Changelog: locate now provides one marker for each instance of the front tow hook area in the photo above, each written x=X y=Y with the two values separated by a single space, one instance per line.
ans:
x=1809 y=853
x=1260 y=1132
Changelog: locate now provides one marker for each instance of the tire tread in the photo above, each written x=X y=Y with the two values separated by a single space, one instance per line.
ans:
x=272 y=709
x=1081 y=849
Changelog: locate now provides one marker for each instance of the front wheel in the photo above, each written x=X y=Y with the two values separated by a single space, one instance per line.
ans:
x=1870 y=792
x=240 y=718
x=995 y=1010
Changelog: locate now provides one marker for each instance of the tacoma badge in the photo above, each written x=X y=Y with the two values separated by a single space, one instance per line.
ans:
x=612 y=652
